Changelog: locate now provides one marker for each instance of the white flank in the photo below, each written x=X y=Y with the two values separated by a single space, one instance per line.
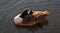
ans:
x=18 y=20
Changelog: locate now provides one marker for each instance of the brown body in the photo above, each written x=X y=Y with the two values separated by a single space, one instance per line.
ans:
x=33 y=19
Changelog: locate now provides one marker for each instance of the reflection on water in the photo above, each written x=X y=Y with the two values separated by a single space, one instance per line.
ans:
x=37 y=25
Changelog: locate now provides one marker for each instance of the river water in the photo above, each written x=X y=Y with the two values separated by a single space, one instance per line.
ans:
x=10 y=8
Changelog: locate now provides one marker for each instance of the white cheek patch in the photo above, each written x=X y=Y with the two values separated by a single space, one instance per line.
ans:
x=29 y=12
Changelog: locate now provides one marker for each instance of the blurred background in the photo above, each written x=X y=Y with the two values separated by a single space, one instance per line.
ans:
x=10 y=8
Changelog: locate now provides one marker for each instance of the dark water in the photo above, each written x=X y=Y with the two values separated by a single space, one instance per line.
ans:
x=10 y=8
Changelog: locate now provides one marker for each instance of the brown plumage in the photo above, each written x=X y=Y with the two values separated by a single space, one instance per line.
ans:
x=36 y=17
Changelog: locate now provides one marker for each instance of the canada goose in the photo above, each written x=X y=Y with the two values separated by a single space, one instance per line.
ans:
x=30 y=19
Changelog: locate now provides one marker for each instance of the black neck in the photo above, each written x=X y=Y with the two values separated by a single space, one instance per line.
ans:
x=25 y=13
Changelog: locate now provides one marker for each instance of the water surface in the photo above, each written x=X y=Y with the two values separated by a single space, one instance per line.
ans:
x=10 y=8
